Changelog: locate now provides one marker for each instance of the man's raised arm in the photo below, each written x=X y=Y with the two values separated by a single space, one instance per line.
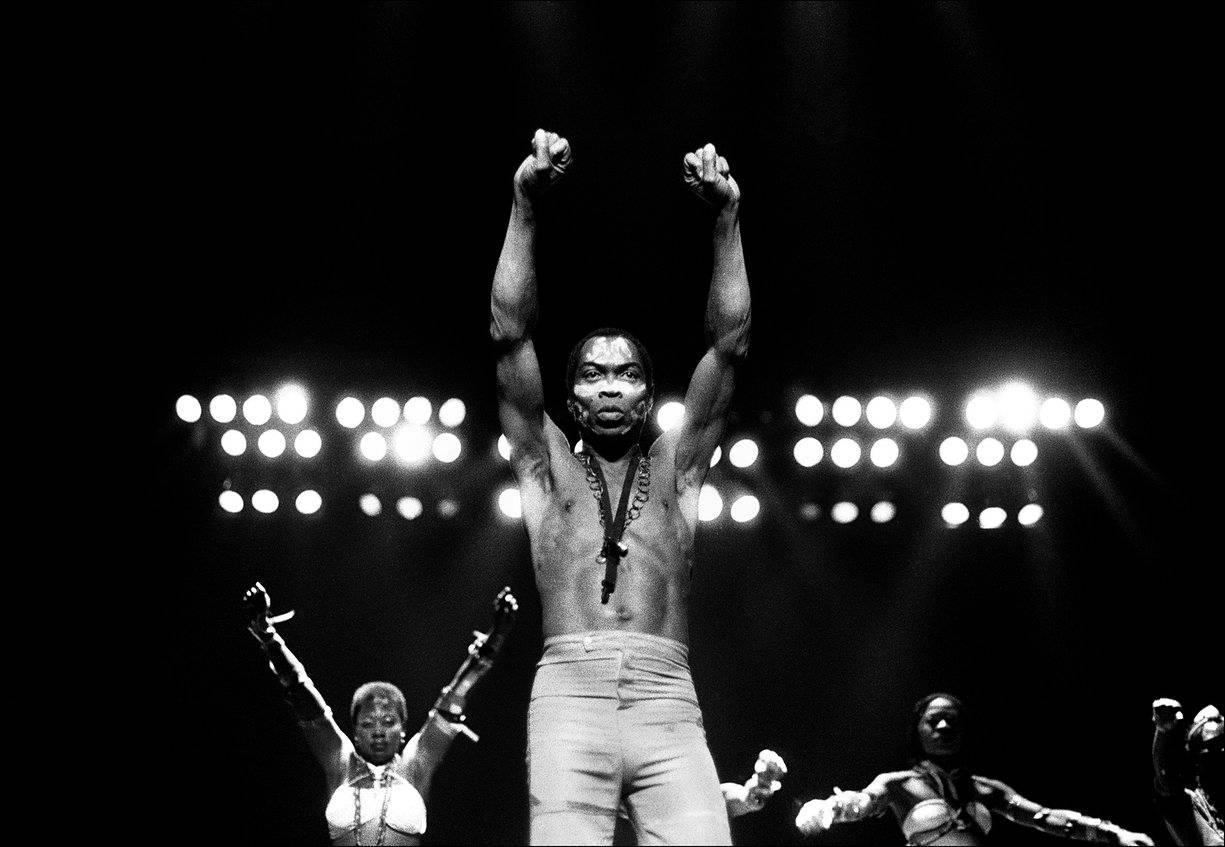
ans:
x=512 y=306
x=728 y=317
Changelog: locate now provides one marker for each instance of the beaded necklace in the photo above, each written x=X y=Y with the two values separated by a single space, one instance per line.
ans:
x=614 y=549
x=385 y=782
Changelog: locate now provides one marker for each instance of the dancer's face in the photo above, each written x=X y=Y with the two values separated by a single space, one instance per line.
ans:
x=609 y=396
x=378 y=732
x=940 y=728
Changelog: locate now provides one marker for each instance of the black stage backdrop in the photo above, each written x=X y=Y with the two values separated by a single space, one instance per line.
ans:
x=937 y=197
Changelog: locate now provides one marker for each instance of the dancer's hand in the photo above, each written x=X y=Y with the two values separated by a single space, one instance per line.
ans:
x=256 y=603
x=539 y=172
x=815 y=816
x=767 y=778
x=1167 y=713
x=708 y=176
x=1134 y=839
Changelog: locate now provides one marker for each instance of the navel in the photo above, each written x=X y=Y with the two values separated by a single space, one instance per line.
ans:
x=624 y=614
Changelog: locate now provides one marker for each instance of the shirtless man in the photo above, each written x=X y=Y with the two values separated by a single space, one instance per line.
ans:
x=614 y=714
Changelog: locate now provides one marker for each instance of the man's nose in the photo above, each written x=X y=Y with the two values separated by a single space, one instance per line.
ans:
x=942 y=724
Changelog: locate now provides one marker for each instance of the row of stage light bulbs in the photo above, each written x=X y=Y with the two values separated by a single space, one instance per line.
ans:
x=1014 y=407
x=411 y=442
x=744 y=509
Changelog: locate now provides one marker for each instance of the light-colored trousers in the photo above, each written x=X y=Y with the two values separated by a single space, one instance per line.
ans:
x=614 y=716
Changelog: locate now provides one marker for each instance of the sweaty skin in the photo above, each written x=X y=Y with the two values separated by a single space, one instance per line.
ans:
x=563 y=525
x=610 y=402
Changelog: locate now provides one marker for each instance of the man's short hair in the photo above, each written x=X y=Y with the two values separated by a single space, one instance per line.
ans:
x=370 y=690
x=648 y=370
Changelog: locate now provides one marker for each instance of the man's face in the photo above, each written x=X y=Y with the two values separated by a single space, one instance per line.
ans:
x=940 y=728
x=378 y=732
x=609 y=395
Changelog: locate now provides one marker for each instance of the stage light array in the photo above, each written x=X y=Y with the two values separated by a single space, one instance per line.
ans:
x=419 y=435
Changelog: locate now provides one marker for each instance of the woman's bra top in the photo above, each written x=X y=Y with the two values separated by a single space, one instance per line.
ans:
x=405 y=808
x=931 y=819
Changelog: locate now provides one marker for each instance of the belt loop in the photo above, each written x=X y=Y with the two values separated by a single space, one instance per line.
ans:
x=588 y=643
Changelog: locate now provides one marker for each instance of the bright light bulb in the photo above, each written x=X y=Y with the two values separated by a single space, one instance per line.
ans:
x=234 y=442
x=231 y=501
x=670 y=414
x=373 y=446
x=417 y=411
x=385 y=412
x=222 y=408
x=808 y=451
x=413 y=443
x=1089 y=413
x=265 y=501
x=955 y=514
x=846 y=411
x=743 y=453
x=745 y=508
x=510 y=503
x=809 y=411
x=1018 y=407
x=1029 y=515
x=989 y=452
x=881 y=412
x=257 y=409
x=915 y=412
x=452 y=412
x=884 y=452
x=308 y=502
x=447 y=447
x=308 y=443
x=845 y=452
x=291 y=404
x=410 y=508
x=350 y=412
x=883 y=512
x=1023 y=453
x=1055 y=413
x=187 y=408
x=981 y=410
x=844 y=512
x=992 y=517
x=953 y=450
x=271 y=443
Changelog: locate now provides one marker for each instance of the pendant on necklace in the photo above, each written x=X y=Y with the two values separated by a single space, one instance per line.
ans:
x=620 y=548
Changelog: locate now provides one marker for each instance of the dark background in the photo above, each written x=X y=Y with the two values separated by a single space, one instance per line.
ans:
x=937 y=197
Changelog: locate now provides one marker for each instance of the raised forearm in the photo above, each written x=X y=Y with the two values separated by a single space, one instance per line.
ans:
x=305 y=700
x=1168 y=753
x=728 y=313
x=513 y=299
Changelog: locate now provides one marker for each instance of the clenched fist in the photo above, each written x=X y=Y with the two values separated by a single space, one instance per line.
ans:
x=708 y=176
x=542 y=170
